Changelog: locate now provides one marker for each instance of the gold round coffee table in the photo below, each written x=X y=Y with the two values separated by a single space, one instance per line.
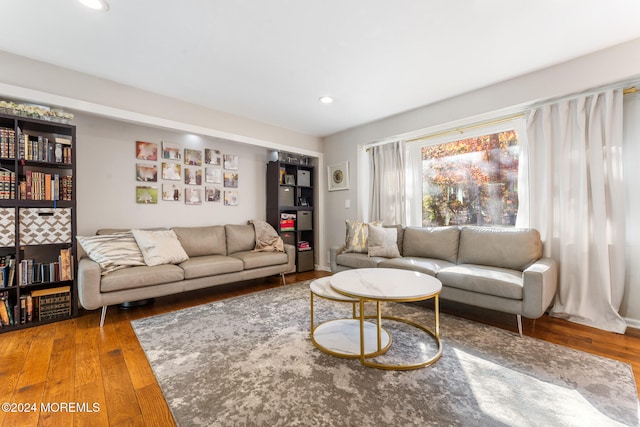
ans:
x=389 y=285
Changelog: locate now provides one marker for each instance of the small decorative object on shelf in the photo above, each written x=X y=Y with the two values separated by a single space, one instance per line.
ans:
x=35 y=112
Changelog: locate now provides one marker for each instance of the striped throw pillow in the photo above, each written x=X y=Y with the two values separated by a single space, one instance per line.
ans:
x=112 y=251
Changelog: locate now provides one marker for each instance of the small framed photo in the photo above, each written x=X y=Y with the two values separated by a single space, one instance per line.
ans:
x=171 y=151
x=231 y=180
x=193 y=196
x=289 y=180
x=212 y=194
x=171 y=171
x=230 y=198
x=231 y=162
x=171 y=192
x=146 y=172
x=303 y=201
x=147 y=195
x=192 y=157
x=338 y=176
x=213 y=175
x=146 y=150
x=212 y=157
x=192 y=176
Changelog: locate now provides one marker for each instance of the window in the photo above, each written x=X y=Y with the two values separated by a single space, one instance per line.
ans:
x=472 y=181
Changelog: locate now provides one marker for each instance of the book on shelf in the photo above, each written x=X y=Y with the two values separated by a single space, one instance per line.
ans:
x=303 y=245
x=287 y=221
x=7 y=143
x=51 y=303
x=45 y=186
x=7 y=184
x=7 y=271
x=4 y=314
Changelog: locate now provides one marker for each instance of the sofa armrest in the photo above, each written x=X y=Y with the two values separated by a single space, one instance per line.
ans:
x=540 y=283
x=89 y=276
x=290 y=250
x=333 y=253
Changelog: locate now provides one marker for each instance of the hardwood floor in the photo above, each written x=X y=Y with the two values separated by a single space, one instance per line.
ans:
x=76 y=363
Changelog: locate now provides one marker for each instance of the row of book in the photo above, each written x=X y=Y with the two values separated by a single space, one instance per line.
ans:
x=46 y=186
x=35 y=147
x=7 y=271
x=7 y=184
x=43 y=149
x=30 y=272
x=7 y=143
x=39 y=305
x=36 y=186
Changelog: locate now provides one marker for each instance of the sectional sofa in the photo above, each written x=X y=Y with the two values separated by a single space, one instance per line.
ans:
x=201 y=257
x=490 y=267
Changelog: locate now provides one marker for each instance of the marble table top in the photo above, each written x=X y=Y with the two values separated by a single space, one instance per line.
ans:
x=385 y=284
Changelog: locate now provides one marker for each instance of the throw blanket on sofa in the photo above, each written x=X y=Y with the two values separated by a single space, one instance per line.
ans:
x=267 y=238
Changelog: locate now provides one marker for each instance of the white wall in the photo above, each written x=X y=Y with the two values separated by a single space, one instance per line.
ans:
x=617 y=64
x=106 y=179
x=26 y=79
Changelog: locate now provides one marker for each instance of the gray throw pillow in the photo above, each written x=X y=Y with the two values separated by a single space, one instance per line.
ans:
x=383 y=242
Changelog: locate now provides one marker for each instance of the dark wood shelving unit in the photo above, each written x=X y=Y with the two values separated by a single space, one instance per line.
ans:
x=291 y=196
x=37 y=221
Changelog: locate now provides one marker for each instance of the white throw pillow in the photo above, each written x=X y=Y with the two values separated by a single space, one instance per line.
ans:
x=112 y=251
x=160 y=247
x=383 y=242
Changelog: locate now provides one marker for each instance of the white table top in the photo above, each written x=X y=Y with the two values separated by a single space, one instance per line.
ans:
x=385 y=284
x=322 y=288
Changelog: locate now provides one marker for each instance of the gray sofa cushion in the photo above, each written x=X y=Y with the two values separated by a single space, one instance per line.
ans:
x=210 y=265
x=252 y=259
x=240 y=238
x=138 y=277
x=501 y=282
x=499 y=247
x=356 y=260
x=431 y=242
x=422 y=265
x=200 y=241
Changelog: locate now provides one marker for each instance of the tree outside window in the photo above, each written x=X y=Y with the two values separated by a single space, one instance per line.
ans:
x=471 y=181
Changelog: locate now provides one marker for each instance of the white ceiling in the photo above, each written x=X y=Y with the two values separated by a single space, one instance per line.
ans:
x=271 y=60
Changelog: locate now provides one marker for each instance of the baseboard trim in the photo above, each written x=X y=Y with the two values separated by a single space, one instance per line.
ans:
x=632 y=323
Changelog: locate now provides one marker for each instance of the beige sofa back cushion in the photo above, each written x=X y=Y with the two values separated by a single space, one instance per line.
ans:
x=200 y=241
x=431 y=242
x=514 y=248
x=240 y=238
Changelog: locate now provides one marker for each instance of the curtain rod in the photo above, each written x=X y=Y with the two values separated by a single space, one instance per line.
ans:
x=630 y=90
x=462 y=129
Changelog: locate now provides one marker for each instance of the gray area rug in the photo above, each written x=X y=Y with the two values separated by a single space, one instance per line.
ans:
x=249 y=361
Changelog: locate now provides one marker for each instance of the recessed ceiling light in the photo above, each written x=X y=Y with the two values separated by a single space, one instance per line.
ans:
x=326 y=99
x=100 y=5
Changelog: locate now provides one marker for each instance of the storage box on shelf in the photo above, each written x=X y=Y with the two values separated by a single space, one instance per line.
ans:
x=290 y=206
x=37 y=222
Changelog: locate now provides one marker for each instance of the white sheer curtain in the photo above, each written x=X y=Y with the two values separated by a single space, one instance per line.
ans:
x=576 y=201
x=388 y=183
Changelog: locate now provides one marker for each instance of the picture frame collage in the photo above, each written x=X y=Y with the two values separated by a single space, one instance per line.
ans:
x=192 y=175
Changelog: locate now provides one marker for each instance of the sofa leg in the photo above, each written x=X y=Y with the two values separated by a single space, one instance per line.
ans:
x=104 y=314
x=284 y=282
x=519 y=317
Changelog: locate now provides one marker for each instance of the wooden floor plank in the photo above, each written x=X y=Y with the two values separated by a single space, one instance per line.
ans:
x=154 y=409
x=78 y=360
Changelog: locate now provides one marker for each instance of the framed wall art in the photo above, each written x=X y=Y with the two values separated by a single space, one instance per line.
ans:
x=146 y=150
x=171 y=151
x=338 y=176
x=146 y=172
